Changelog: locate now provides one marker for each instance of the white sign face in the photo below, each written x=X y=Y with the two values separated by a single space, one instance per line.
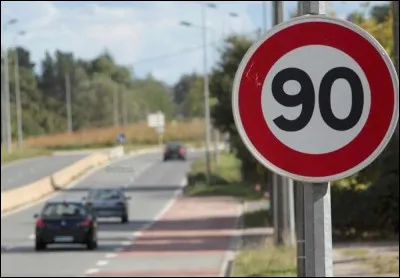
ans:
x=325 y=138
x=316 y=99
x=156 y=120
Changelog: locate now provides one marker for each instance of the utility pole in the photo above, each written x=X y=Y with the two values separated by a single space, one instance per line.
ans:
x=115 y=104
x=3 y=107
x=18 y=99
x=7 y=101
x=124 y=108
x=206 y=94
x=68 y=96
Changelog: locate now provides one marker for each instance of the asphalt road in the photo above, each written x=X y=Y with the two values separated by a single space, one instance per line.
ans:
x=151 y=183
x=30 y=170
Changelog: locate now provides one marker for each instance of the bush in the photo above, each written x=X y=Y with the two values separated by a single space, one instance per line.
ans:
x=371 y=210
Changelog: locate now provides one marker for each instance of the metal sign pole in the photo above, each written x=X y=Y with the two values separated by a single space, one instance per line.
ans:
x=314 y=209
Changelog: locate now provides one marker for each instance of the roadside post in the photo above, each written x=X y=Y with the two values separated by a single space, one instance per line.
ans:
x=315 y=100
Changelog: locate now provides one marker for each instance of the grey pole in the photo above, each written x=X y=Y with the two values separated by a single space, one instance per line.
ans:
x=68 y=96
x=206 y=94
x=395 y=11
x=315 y=203
x=18 y=100
x=277 y=181
x=264 y=15
x=3 y=105
x=115 y=104
x=124 y=108
x=7 y=102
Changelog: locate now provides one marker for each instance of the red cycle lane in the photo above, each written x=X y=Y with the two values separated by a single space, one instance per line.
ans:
x=190 y=240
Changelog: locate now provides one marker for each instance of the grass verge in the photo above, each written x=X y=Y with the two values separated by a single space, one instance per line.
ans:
x=266 y=261
x=257 y=219
x=384 y=264
x=21 y=154
x=225 y=179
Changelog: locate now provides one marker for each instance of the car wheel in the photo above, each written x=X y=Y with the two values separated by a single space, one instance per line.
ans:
x=39 y=245
x=124 y=219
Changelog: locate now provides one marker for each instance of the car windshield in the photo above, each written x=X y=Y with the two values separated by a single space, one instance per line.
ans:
x=64 y=210
x=105 y=195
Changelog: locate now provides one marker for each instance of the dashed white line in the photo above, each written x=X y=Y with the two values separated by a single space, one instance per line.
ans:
x=102 y=263
x=91 y=271
x=126 y=243
x=32 y=237
x=111 y=255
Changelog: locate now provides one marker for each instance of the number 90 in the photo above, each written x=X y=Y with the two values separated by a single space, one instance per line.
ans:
x=306 y=98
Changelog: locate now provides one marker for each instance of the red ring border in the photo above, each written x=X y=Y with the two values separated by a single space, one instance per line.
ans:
x=350 y=155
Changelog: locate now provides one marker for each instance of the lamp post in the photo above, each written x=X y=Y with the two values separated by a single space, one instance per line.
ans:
x=7 y=137
x=206 y=89
x=18 y=95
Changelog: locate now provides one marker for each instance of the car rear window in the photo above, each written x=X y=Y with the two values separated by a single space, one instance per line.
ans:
x=69 y=210
x=174 y=145
x=105 y=195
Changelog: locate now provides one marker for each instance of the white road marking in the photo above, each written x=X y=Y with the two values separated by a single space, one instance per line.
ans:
x=91 y=271
x=176 y=195
x=111 y=255
x=102 y=263
x=32 y=237
x=126 y=243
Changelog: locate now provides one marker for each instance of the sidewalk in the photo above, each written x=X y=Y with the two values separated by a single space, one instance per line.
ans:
x=192 y=239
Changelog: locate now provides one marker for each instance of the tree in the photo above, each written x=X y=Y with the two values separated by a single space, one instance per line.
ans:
x=221 y=81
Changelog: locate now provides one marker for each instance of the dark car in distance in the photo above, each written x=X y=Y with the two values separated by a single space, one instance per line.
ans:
x=65 y=222
x=108 y=203
x=174 y=150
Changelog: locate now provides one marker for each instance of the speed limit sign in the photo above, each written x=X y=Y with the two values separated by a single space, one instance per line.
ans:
x=316 y=99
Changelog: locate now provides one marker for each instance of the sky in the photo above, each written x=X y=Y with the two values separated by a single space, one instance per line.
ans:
x=143 y=35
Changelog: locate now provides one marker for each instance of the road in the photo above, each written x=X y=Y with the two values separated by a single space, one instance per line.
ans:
x=30 y=170
x=151 y=183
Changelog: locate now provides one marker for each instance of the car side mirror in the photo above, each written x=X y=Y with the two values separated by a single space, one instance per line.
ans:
x=35 y=215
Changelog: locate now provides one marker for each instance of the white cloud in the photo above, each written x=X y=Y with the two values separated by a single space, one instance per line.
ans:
x=131 y=30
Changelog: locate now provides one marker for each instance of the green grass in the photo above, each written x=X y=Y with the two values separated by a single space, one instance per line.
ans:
x=355 y=252
x=256 y=219
x=225 y=179
x=21 y=154
x=266 y=261
x=384 y=264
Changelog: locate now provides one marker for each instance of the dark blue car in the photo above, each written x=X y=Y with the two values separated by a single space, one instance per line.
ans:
x=65 y=223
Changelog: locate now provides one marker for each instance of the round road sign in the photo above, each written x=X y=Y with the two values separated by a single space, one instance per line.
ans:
x=316 y=99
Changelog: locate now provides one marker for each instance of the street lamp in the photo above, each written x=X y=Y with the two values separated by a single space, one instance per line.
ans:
x=18 y=94
x=206 y=87
x=7 y=136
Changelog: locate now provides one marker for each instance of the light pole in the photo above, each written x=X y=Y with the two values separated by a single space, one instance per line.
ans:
x=206 y=89
x=7 y=101
x=18 y=95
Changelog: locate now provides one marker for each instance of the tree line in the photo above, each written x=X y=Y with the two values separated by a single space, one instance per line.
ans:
x=103 y=93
